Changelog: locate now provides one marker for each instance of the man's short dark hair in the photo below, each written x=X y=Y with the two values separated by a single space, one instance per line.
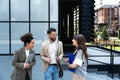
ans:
x=51 y=30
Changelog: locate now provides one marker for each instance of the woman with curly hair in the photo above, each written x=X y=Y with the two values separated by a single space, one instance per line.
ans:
x=22 y=68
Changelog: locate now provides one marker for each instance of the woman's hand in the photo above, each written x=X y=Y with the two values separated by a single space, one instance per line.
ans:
x=69 y=65
x=57 y=59
x=65 y=60
x=27 y=65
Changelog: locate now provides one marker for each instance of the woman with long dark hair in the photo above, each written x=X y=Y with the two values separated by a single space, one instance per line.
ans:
x=22 y=59
x=80 y=58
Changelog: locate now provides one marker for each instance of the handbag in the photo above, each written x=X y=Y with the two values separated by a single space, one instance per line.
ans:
x=60 y=70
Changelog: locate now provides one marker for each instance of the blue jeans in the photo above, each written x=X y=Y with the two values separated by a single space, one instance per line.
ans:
x=51 y=73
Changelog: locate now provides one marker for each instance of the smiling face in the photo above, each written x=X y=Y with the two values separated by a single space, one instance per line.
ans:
x=52 y=35
x=31 y=44
x=75 y=43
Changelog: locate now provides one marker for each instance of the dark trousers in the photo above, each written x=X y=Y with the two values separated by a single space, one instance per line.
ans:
x=27 y=76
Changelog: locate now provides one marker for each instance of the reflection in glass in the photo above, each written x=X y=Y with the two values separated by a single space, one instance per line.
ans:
x=39 y=10
x=53 y=10
x=17 y=30
x=39 y=31
x=76 y=20
x=19 y=10
x=54 y=25
x=4 y=38
x=68 y=25
x=4 y=10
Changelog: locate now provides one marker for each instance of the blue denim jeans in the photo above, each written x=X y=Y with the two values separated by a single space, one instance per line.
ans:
x=51 y=73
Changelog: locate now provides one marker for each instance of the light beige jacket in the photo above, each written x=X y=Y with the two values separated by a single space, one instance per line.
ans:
x=44 y=54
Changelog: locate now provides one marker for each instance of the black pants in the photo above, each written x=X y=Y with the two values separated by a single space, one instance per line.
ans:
x=27 y=76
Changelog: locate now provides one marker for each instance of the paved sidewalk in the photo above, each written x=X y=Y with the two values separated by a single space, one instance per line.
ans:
x=6 y=70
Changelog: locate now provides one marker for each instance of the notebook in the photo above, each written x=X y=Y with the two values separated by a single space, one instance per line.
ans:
x=71 y=59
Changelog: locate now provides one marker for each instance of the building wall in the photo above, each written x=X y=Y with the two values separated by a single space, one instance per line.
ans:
x=18 y=17
x=100 y=16
x=87 y=19
x=104 y=15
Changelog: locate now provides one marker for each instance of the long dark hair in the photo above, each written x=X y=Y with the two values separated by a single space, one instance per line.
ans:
x=81 y=44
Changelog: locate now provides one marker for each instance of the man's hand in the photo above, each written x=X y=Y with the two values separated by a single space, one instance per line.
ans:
x=49 y=60
x=57 y=59
x=65 y=60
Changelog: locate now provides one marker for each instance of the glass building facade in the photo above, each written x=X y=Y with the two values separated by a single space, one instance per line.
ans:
x=18 y=17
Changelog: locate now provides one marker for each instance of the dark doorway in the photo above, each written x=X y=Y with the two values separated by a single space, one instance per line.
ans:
x=68 y=18
x=76 y=17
